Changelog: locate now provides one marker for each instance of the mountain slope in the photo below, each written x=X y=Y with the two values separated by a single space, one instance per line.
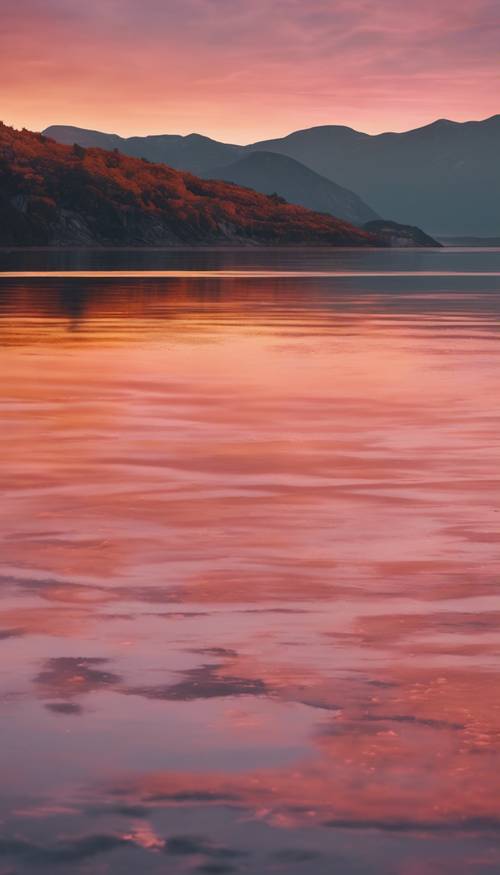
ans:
x=193 y=152
x=269 y=172
x=444 y=176
x=214 y=160
x=52 y=194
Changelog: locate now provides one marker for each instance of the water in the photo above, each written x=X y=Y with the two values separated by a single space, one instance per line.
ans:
x=249 y=612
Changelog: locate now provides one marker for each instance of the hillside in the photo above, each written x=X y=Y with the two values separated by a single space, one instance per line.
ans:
x=53 y=194
x=269 y=172
x=444 y=176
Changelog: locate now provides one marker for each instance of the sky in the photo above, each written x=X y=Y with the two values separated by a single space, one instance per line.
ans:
x=244 y=70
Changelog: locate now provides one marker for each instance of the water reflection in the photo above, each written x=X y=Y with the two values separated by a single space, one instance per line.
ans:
x=250 y=573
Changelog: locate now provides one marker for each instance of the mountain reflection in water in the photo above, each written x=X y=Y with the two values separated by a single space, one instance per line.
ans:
x=250 y=606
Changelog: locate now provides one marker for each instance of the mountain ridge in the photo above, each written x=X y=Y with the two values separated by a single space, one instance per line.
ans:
x=442 y=176
x=183 y=152
x=495 y=117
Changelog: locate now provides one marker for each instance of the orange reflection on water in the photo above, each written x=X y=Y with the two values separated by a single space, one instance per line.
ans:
x=250 y=549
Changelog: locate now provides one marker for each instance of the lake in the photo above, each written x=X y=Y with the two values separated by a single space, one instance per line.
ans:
x=250 y=548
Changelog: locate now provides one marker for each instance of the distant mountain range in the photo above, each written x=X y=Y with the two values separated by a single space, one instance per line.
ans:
x=53 y=194
x=267 y=172
x=444 y=177
x=194 y=152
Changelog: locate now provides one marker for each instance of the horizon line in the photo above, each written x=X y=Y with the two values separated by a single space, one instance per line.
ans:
x=264 y=139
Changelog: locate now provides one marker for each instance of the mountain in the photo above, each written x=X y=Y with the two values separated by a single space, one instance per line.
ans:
x=265 y=172
x=399 y=235
x=193 y=152
x=269 y=172
x=54 y=194
x=444 y=176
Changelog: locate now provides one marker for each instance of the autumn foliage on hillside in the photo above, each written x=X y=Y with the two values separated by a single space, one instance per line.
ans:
x=56 y=194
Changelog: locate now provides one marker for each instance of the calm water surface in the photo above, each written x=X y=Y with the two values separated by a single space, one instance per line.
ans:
x=250 y=592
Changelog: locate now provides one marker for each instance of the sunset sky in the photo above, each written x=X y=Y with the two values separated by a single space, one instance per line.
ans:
x=242 y=70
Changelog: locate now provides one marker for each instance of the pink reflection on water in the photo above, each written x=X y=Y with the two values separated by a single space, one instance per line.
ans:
x=256 y=528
